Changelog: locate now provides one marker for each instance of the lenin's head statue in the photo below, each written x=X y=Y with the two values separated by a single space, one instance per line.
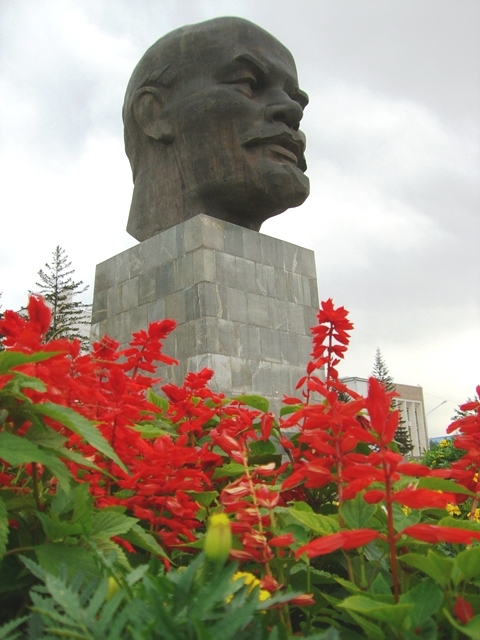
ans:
x=212 y=114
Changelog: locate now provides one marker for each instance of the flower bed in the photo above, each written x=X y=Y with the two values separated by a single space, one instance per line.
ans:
x=110 y=491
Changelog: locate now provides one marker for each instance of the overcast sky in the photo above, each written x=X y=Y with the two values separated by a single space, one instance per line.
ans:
x=393 y=156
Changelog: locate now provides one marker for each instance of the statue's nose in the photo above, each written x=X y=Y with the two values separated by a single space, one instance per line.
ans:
x=281 y=108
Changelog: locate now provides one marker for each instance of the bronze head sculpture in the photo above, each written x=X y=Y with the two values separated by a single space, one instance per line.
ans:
x=211 y=116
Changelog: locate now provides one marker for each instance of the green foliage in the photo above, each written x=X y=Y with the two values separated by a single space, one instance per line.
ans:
x=199 y=601
x=442 y=454
x=59 y=290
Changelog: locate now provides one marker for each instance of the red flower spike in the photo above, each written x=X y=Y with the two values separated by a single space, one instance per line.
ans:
x=435 y=533
x=285 y=540
x=341 y=540
x=463 y=610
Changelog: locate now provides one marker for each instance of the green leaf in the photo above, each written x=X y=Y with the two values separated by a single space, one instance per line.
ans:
x=380 y=587
x=372 y=631
x=468 y=562
x=316 y=522
x=22 y=381
x=205 y=498
x=426 y=599
x=81 y=426
x=3 y=528
x=76 y=457
x=51 y=555
x=59 y=530
x=140 y=538
x=6 y=630
x=17 y=450
x=229 y=469
x=149 y=430
x=257 y=402
x=356 y=513
x=44 y=436
x=471 y=629
x=107 y=523
x=403 y=520
x=436 y=567
x=158 y=401
x=396 y=615
x=441 y=484
x=448 y=521
x=290 y=408
x=261 y=447
x=9 y=359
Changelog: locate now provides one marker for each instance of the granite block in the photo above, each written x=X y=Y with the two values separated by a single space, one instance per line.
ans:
x=226 y=269
x=156 y=310
x=233 y=240
x=105 y=276
x=122 y=266
x=279 y=315
x=128 y=293
x=222 y=378
x=185 y=336
x=212 y=300
x=183 y=275
x=192 y=304
x=244 y=303
x=270 y=345
x=213 y=233
x=314 y=293
x=295 y=318
x=246 y=274
x=204 y=265
x=206 y=336
x=241 y=372
x=147 y=287
x=175 y=306
x=262 y=377
x=251 y=245
x=138 y=318
x=258 y=311
x=268 y=251
x=304 y=350
x=192 y=235
x=113 y=301
x=249 y=338
x=228 y=337
x=136 y=260
x=99 y=306
x=297 y=288
x=236 y=304
x=289 y=348
x=164 y=283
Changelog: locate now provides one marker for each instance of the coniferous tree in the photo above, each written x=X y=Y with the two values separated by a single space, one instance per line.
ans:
x=381 y=373
x=59 y=290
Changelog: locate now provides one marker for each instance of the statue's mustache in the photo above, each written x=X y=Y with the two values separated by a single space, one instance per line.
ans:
x=280 y=134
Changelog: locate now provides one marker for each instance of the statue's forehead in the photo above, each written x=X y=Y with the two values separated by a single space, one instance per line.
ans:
x=220 y=54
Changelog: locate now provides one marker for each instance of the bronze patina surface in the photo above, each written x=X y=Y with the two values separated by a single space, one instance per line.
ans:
x=212 y=114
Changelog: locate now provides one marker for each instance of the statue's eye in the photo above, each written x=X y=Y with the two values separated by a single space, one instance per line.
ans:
x=246 y=84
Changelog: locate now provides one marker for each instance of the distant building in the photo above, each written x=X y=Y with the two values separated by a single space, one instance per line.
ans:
x=412 y=410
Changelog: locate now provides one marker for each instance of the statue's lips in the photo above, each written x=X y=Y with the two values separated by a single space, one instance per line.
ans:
x=287 y=144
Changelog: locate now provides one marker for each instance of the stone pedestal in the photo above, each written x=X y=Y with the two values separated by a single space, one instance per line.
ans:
x=244 y=303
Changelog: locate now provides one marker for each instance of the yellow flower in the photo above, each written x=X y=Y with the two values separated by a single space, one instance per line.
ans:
x=251 y=581
x=453 y=510
x=476 y=515
x=444 y=443
x=218 y=540
x=406 y=510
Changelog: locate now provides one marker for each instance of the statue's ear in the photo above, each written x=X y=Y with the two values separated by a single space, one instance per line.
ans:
x=148 y=107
